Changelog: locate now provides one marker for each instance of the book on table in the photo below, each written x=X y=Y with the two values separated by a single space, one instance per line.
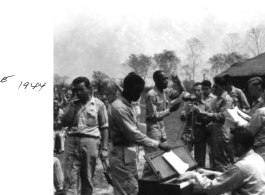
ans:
x=177 y=164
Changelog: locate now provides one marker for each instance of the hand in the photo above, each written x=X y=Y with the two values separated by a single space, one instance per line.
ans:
x=174 y=107
x=186 y=176
x=197 y=109
x=204 y=172
x=103 y=155
x=74 y=99
x=164 y=146
x=240 y=124
x=175 y=79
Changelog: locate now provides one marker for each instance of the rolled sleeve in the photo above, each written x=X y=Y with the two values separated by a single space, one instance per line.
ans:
x=131 y=131
x=244 y=101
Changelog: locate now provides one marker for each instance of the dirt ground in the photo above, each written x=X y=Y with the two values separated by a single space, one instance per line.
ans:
x=173 y=130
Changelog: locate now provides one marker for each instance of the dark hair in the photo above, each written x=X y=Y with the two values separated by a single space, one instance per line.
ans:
x=197 y=84
x=79 y=80
x=257 y=81
x=156 y=74
x=220 y=81
x=207 y=83
x=228 y=79
x=132 y=79
x=243 y=137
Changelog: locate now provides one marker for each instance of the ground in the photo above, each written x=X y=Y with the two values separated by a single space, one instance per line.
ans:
x=174 y=129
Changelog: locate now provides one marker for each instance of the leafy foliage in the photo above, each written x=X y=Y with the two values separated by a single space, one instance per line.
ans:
x=140 y=64
x=60 y=84
x=167 y=61
x=220 y=62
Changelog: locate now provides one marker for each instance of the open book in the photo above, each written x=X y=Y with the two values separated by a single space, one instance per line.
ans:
x=242 y=114
x=177 y=164
x=233 y=118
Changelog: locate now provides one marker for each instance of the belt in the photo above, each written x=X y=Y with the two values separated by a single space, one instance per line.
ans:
x=80 y=135
x=123 y=145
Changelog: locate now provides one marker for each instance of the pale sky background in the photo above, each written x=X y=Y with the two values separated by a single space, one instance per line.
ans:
x=91 y=36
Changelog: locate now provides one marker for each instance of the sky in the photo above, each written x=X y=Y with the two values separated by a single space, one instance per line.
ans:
x=99 y=36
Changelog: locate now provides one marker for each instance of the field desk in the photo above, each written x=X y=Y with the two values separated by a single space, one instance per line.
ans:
x=162 y=182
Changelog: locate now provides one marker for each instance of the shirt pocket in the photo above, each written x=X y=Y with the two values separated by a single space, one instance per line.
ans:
x=159 y=104
x=91 y=118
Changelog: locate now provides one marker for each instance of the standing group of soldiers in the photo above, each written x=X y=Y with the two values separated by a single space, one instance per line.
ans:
x=88 y=124
x=205 y=118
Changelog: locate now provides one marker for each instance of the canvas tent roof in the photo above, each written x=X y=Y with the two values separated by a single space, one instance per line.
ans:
x=252 y=67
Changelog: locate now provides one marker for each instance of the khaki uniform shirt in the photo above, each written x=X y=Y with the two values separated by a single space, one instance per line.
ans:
x=239 y=98
x=157 y=108
x=245 y=177
x=123 y=125
x=257 y=126
x=90 y=118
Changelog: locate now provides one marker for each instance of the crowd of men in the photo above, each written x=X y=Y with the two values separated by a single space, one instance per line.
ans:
x=83 y=124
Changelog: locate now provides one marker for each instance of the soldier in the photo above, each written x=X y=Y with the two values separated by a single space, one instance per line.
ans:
x=238 y=96
x=196 y=130
x=157 y=108
x=221 y=156
x=255 y=90
x=246 y=176
x=125 y=136
x=87 y=122
x=257 y=126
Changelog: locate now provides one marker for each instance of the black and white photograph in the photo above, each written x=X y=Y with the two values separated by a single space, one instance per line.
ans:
x=157 y=97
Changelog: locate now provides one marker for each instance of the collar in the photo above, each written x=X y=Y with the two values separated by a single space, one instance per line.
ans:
x=233 y=89
x=209 y=96
x=246 y=154
x=92 y=101
x=257 y=101
x=157 y=91
x=223 y=95
x=124 y=101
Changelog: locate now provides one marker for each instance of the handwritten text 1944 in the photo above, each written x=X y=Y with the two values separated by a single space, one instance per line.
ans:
x=25 y=84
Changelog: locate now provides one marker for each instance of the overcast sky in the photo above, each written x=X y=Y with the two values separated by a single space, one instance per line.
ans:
x=91 y=36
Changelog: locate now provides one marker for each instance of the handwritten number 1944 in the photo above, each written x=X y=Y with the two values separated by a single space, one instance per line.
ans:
x=28 y=84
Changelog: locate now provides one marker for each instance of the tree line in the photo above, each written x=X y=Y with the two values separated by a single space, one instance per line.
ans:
x=237 y=48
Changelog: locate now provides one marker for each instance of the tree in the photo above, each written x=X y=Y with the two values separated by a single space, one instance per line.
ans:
x=60 y=83
x=59 y=79
x=233 y=43
x=140 y=64
x=255 y=40
x=194 y=49
x=187 y=71
x=99 y=80
x=220 y=62
x=167 y=61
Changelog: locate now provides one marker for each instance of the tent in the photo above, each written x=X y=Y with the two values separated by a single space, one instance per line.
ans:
x=241 y=72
